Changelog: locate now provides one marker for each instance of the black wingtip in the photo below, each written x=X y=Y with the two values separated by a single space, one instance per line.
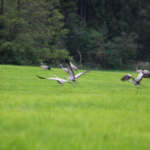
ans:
x=40 y=77
x=123 y=78
x=126 y=77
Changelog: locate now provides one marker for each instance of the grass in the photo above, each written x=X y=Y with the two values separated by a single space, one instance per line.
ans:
x=99 y=112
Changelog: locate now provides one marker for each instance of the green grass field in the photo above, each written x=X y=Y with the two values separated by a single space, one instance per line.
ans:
x=99 y=112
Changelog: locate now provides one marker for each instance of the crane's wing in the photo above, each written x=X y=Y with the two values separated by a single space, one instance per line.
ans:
x=73 y=66
x=126 y=77
x=46 y=78
x=146 y=71
x=139 y=70
x=52 y=78
x=143 y=71
x=65 y=69
x=40 y=77
x=146 y=75
x=80 y=74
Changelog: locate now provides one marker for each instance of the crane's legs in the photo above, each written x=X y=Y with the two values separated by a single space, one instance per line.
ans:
x=139 y=89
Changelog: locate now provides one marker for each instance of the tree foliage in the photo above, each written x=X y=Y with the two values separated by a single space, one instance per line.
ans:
x=35 y=32
x=104 y=33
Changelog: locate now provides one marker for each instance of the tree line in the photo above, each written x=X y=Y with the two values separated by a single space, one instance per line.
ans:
x=102 y=33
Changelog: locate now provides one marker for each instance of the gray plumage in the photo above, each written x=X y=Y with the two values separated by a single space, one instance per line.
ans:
x=59 y=80
x=67 y=69
x=80 y=74
x=46 y=67
x=135 y=81
x=64 y=68
x=72 y=76
x=146 y=73
x=73 y=66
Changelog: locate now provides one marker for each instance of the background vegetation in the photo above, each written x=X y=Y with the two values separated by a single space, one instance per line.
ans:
x=103 y=33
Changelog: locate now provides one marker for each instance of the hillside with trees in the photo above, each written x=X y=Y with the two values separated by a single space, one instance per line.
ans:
x=98 y=33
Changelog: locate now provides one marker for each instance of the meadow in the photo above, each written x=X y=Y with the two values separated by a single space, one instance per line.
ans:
x=99 y=112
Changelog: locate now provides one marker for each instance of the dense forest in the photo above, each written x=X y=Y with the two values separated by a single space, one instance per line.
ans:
x=99 y=33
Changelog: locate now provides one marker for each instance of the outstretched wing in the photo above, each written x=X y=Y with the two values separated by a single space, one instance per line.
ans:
x=65 y=69
x=73 y=66
x=40 y=77
x=80 y=74
x=126 y=77
x=146 y=74
x=146 y=71
x=52 y=78
x=139 y=70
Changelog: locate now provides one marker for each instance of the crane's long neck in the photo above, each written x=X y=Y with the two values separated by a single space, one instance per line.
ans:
x=72 y=72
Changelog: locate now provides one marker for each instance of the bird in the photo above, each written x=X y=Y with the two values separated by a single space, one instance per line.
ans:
x=73 y=66
x=46 y=67
x=67 y=70
x=61 y=80
x=135 y=81
x=72 y=76
x=64 y=68
x=70 y=70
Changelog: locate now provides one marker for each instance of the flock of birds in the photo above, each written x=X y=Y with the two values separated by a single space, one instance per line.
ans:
x=72 y=77
x=69 y=70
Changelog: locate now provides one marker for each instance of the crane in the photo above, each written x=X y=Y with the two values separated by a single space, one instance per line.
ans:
x=72 y=77
x=135 y=81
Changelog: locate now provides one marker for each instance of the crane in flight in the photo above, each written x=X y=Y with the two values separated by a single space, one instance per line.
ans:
x=135 y=81
x=66 y=69
x=72 y=77
x=46 y=67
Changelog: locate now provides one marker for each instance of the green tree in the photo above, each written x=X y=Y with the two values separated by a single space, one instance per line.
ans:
x=34 y=26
